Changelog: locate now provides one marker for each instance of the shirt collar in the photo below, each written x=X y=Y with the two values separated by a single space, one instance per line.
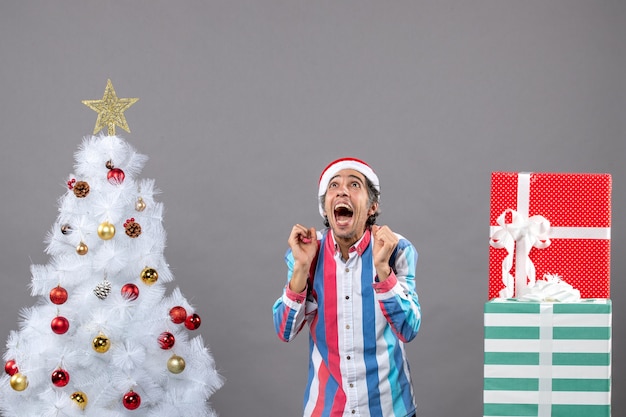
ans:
x=360 y=246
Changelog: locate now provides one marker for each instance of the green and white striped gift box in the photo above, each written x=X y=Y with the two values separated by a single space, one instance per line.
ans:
x=547 y=359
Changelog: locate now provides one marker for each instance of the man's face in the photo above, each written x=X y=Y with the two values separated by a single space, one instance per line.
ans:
x=347 y=205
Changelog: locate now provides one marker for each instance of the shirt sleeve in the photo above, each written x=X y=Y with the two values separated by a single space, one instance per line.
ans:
x=397 y=296
x=292 y=310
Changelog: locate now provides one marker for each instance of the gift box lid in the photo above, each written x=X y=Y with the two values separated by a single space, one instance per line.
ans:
x=566 y=199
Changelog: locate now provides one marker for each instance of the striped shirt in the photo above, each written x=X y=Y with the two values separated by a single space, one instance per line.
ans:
x=358 y=328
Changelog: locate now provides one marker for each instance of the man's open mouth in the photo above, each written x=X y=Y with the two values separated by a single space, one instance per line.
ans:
x=343 y=214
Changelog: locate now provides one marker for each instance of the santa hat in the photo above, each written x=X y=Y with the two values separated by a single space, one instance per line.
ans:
x=340 y=164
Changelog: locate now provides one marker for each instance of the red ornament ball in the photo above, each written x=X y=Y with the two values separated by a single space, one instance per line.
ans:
x=60 y=378
x=178 y=314
x=166 y=340
x=58 y=295
x=131 y=400
x=192 y=322
x=116 y=176
x=130 y=291
x=10 y=367
x=60 y=325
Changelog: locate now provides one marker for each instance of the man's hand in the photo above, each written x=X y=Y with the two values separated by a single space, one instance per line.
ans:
x=303 y=244
x=384 y=242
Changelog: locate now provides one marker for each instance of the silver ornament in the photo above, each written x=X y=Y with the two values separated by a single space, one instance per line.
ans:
x=103 y=289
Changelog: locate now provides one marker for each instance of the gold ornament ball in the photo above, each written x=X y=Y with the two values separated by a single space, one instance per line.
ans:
x=80 y=398
x=149 y=275
x=140 y=205
x=106 y=231
x=82 y=249
x=176 y=364
x=19 y=382
x=101 y=343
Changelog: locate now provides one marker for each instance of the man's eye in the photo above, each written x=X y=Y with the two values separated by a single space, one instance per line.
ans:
x=332 y=185
x=356 y=184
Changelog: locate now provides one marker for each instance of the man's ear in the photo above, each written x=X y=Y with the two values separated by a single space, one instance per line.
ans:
x=372 y=209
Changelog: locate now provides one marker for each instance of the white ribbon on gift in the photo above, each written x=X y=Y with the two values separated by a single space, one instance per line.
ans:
x=523 y=233
x=546 y=318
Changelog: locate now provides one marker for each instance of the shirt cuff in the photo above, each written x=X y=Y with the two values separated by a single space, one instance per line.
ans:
x=298 y=297
x=387 y=285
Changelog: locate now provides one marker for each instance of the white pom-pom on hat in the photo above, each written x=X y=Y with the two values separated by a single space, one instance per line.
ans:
x=340 y=164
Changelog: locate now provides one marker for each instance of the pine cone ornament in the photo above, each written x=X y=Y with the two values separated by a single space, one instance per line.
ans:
x=133 y=229
x=81 y=189
x=103 y=289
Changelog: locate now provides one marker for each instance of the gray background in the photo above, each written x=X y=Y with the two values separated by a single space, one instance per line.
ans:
x=242 y=103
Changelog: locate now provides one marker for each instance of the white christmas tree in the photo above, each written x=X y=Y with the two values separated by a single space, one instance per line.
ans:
x=104 y=338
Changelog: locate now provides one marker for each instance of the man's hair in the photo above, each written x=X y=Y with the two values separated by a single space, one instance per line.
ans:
x=373 y=196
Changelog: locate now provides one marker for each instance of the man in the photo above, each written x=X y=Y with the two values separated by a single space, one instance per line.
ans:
x=354 y=284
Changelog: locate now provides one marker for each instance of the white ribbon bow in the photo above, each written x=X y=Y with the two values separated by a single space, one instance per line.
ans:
x=526 y=233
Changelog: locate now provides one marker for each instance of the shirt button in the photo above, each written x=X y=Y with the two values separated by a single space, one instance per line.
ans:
x=347 y=269
x=347 y=297
x=348 y=357
x=351 y=385
x=347 y=326
x=353 y=411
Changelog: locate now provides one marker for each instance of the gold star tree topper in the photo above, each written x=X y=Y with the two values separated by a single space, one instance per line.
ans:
x=110 y=110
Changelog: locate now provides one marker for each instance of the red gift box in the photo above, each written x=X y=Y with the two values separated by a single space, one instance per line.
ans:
x=550 y=223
